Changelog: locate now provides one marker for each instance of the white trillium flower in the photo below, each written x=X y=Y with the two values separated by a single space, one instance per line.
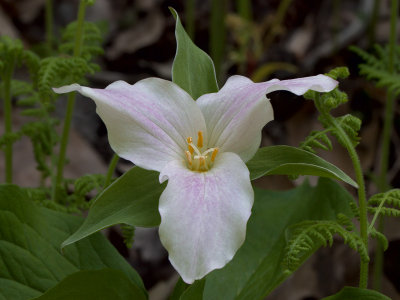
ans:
x=201 y=148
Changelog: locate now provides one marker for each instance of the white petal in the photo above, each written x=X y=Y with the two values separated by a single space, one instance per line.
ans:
x=299 y=86
x=204 y=215
x=147 y=122
x=236 y=114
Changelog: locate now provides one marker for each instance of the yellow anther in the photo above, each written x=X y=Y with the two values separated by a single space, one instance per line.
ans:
x=190 y=141
x=188 y=157
x=200 y=139
x=214 y=154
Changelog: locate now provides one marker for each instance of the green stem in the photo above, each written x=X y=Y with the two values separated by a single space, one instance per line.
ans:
x=383 y=184
x=190 y=18
x=218 y=33
x=8 y=126
x=111 y=170
x=49 y=23
x=244 y=9
x=70 y=103
x=362 y=200
x=378 y=260
x=373 y=22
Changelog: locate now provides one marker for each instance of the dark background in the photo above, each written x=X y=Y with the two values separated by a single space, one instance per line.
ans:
x=309 y=38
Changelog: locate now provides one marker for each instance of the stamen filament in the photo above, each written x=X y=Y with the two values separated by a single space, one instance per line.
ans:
x=189 y=157
x=194 y=148
x=200 y=139
x=190 y=141
x=202 y=163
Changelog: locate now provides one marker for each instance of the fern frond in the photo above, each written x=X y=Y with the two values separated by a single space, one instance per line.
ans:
x=354 y=209
x=308 y=236
x=13 y=54
x=376 y=68
x=369 y=59
x=32 y=61
x=380 y=237
x=317 y=139
x=128 y=234
x=345 y=221
x=385 y=211
x=82 y=187
x=91 y=44
x=11 y=51
x=351 y=126
x=387 y=203
x=87 y=183
x=10 y=138
x=56 y=71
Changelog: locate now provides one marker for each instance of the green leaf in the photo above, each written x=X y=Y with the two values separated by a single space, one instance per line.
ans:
x=195 y=292
x=193 y=70
x=257 y=267
x=353 y=293
x=286 y=160
x=30 y=257
x=179 y=289
x=131 y=199
x=95 y=285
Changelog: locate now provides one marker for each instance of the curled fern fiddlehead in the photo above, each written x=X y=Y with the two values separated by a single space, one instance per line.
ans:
x=325 y=103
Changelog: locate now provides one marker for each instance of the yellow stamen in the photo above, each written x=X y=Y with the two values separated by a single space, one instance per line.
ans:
x=214 y=154
x=200 y=139
x=188 y=157
x=190 y=141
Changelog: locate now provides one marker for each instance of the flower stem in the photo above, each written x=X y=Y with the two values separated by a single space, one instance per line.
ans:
x=383 y=184
x=71 y=101
x=111 y=170
x=8 y=126
x=362 y=201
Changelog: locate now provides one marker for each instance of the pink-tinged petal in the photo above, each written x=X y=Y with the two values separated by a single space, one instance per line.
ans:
x=147 y=122
x=319 y=83
x=236 y=114
x=204 y=214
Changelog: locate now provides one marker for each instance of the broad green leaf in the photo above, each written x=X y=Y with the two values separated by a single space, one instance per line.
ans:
x=353 y=293
x=179 y=289
x=286 y=160
x=257 y=267
x=131 y=199
x=30 y=258
x=103 y=284
x=193 y=70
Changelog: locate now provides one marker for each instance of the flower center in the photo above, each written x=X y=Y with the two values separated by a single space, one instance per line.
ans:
x=197 y=160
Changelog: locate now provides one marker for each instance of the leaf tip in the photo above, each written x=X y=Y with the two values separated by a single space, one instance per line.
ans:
x=173 y=12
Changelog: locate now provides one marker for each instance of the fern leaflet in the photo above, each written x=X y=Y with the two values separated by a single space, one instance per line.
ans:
x=308 y=236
